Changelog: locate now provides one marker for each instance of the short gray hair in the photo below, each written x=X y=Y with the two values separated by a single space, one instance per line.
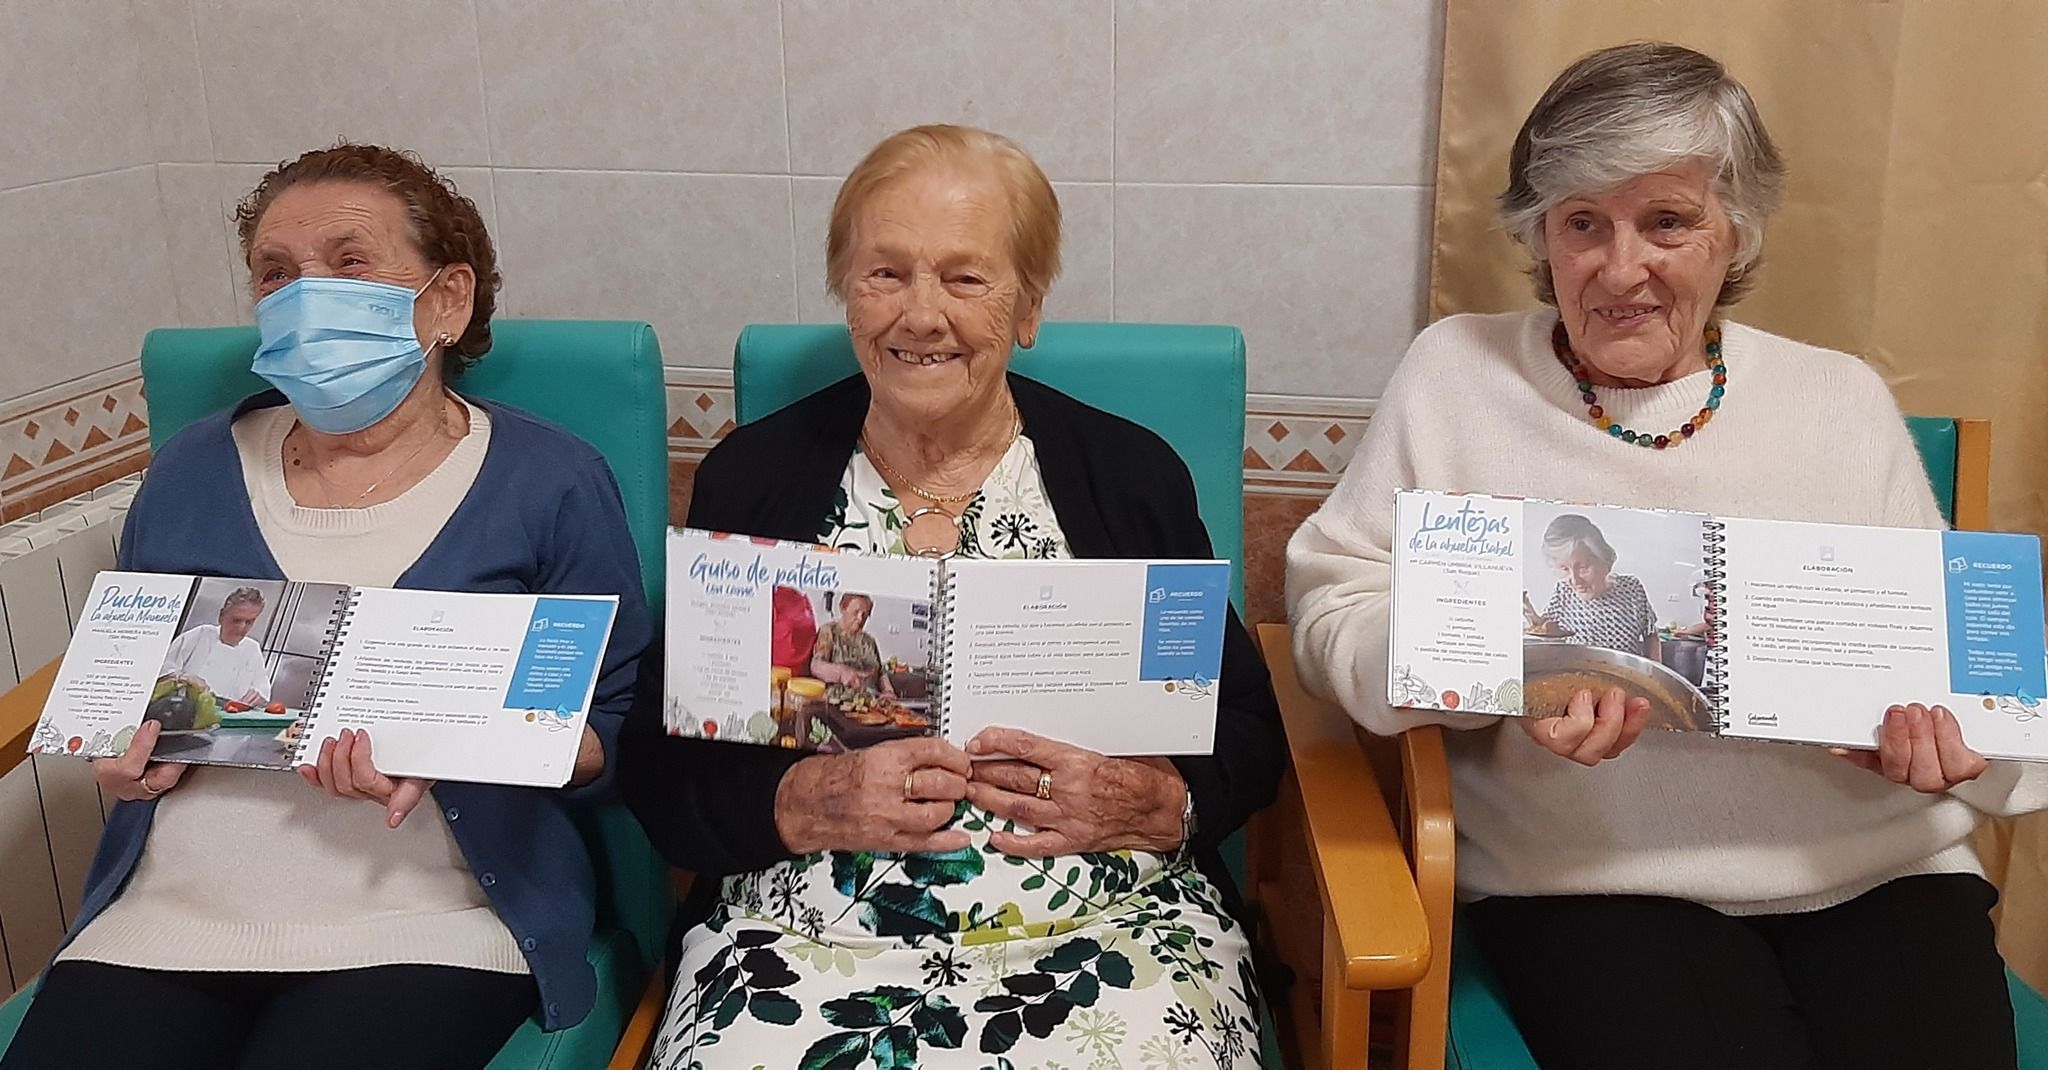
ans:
x=1570 y=531
x=242 y=596
x=1633 y=110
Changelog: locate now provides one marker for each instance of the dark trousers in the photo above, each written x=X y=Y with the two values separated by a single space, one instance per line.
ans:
x=1904 y=976
x=93 y=1016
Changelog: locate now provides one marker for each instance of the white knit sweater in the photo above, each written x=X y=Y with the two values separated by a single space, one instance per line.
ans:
x=1480 y=404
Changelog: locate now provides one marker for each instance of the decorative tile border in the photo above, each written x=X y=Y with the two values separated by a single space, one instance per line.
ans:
x=1293 y=444
x=1299 y=445
x=98 y=424
x=700 y=410
x=53 y=438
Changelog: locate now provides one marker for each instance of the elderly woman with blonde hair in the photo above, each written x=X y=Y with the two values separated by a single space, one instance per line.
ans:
x=908 y=904
x=1701 y=902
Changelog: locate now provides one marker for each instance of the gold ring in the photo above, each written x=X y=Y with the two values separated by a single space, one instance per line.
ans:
x=1044 y=784
x=144 y=781
x=906 y=784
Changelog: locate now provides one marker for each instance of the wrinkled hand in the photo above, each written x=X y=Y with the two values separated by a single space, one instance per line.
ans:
x=893 y=796
x=1098 y=803
x=344 y=770
x=1590 y=731
x=1920 y=747
x=133 y=776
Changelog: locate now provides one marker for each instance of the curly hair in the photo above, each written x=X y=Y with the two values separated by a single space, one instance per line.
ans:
x=445 y=226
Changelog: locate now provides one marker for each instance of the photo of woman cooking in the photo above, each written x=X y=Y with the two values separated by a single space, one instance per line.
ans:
x=863 y=677
x=1615 y=597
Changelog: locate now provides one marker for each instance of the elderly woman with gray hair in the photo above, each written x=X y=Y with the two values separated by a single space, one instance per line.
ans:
x=1706 y=902
x=1592 y=606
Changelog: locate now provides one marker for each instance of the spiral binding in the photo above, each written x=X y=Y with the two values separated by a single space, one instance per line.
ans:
x=343 y=617
x=1716 y=575
x=943 y=600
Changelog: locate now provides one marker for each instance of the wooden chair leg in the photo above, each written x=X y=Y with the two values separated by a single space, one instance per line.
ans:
x=638 y=1040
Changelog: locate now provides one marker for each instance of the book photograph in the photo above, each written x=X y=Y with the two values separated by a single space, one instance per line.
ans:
x=259 y=673
x=806 y=647
x=1759 y=629
x=1615 y=598
x=799 y=646
x=241 y=671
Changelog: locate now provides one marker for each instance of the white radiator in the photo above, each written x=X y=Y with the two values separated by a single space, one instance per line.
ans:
x=50 y=810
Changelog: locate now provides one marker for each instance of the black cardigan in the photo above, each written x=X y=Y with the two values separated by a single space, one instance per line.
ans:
x=1119 y=491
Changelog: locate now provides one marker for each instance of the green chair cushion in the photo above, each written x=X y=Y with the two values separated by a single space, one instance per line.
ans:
x=1935 y=437
x=1184 y=382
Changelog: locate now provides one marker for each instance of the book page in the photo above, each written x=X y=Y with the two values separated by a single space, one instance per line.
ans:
x=1828 y=625
x=1120 y=657
x=798 y=646
x=226 y=666
x=1510 y=606
x=461 y=686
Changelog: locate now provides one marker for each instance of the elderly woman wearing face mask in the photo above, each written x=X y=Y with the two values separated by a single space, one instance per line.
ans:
x=248 y=917
x=1700 y=902
x=904 y=904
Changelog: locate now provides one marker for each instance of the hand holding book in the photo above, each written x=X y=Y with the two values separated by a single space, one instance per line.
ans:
x=1922 y=747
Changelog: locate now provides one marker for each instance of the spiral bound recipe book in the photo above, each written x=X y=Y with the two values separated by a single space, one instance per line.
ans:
x=1759 y=629
x=805 y=647
x=258 y=673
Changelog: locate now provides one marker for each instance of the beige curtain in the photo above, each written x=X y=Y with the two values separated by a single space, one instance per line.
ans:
x=1914 y=232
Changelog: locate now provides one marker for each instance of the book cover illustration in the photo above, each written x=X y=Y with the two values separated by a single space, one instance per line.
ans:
x=803 y=647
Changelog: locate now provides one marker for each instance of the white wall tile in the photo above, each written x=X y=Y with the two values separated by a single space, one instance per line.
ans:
x=1331 y=91
x=237 y=180
x=697 y=256
x=634 y=85
x=1036 y=72
x=1082 y=292
x=196 y=213
x=86 y=275
x=1327 y=283
x=282 y=78
x=70 y=91
x=173 y=89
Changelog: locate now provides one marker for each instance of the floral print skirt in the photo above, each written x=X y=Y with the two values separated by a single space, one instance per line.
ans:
x=969 y=959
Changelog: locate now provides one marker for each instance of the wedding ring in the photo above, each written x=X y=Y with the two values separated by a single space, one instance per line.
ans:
x=1044 y=784
x=144 y=781
x=906 y=784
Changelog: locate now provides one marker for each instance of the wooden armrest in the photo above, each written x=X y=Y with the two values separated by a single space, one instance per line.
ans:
x=1361 y=869
x=20 y=708
x=1432 y=837
x=638 y=1038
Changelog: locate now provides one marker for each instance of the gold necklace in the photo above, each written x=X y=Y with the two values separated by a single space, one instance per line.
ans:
x=895 y=477
x=334 y=492
x=939 y=502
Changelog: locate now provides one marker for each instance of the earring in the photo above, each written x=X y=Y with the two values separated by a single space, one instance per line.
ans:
x=447 y=339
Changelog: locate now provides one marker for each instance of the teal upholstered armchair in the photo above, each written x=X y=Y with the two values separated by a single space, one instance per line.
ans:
x=1361 y=894
x=602 y=381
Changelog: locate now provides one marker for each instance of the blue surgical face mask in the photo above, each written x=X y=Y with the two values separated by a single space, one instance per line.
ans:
x=342 y=350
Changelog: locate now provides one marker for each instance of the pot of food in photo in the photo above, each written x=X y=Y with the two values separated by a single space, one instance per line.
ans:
x=1686 y=655
x=1553 y=672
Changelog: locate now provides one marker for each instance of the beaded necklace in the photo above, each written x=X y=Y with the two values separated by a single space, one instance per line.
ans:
x=1561 y=344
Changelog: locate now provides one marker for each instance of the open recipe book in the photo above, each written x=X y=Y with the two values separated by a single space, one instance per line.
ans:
x=802 y=646
x=1759 y=629
x=258 y=673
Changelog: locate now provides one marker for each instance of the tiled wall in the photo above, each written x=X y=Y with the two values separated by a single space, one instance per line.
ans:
x=1266 y=165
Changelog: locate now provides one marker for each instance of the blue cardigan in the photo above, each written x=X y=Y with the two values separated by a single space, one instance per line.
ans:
x=543 y=516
